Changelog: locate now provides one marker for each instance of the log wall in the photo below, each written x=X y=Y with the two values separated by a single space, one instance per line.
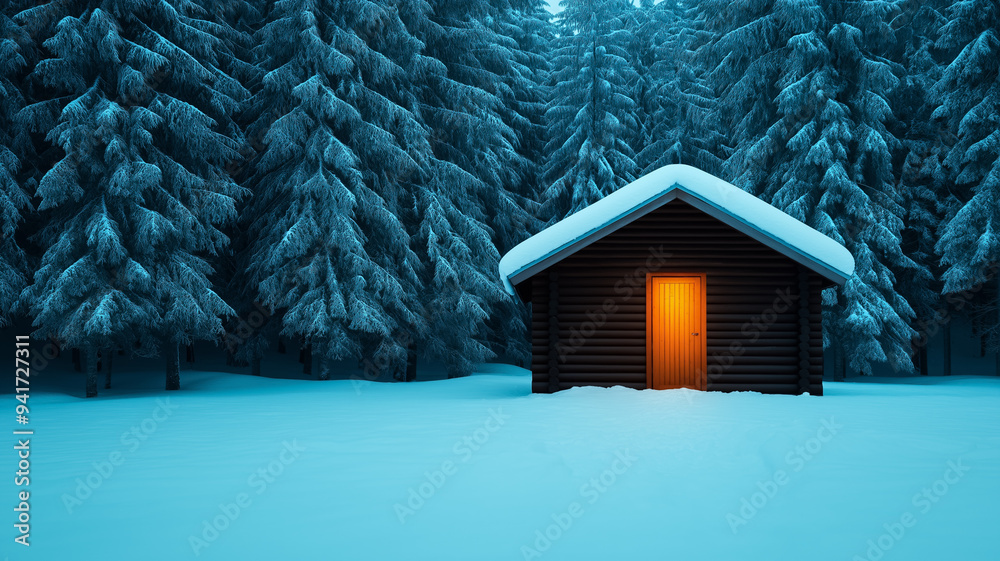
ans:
x=589 y=324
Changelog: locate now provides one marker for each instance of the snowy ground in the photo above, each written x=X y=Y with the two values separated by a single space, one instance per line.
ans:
x=237 y=467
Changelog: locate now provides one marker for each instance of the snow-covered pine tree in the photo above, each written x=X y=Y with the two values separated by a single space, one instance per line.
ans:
x=867 y=316
x=646 y=29
x=460 y=291
x=526 y=33
x=744 y=57
x=968 y=102
x=592 y=114
x=805 y=93
x=476 y=98
x=16 y=48
x=528 y=23
x=340 y=140
x=807 y=134
x=468 y=201
x=680 y=125
x=246 y=334
x=920 y=177
x=807 y=118
x=134 y=98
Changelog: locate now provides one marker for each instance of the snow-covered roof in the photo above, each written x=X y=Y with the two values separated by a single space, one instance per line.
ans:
x=715 y=197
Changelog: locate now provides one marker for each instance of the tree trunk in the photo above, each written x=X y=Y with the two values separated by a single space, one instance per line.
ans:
x=836 y=363
x=91 y=371
x=281 y=346
x=324 y=367
x=979 y=330
x=307 y=360
x=171 y=357
x=255 y=366
x=946 y=368
x=189 y=351
x=76 y=360
x=107 y=379
x=411 y=362
x=922 y=356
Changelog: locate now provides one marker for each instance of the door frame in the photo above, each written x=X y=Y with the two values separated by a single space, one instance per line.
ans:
x=703 y=379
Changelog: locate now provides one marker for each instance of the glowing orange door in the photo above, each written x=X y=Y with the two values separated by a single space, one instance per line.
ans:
x=675 y=332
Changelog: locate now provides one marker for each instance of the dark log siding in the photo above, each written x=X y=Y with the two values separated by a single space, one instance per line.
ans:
x=753 y=312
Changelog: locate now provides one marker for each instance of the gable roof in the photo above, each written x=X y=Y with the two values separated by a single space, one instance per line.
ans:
x=711 y=195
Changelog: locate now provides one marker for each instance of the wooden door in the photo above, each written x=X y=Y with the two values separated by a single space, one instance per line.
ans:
x=675 y=331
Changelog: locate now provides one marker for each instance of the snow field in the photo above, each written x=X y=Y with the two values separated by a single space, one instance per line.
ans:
x=237 y=467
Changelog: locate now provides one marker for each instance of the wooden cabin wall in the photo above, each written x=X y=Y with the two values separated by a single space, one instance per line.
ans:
x=752 y=300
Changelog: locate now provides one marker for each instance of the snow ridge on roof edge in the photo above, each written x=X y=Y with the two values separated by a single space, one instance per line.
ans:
x=746 y=208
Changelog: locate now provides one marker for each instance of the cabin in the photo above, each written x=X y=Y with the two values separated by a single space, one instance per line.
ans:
x=677 y=280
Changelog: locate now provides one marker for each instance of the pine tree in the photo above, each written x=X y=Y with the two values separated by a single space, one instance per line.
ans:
x=869 y=316
x=592 y=113
x=459 y=288
x=476 y=98
x=248 y=332
x=805 y=92
x=15 y=148
x=681 y=126
x=647 y=27
x=135 y=99
x=748 y=45
x=528 y=24
x=525 y=34
x=968 y=101
x=920 y=177
x=328 y=245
